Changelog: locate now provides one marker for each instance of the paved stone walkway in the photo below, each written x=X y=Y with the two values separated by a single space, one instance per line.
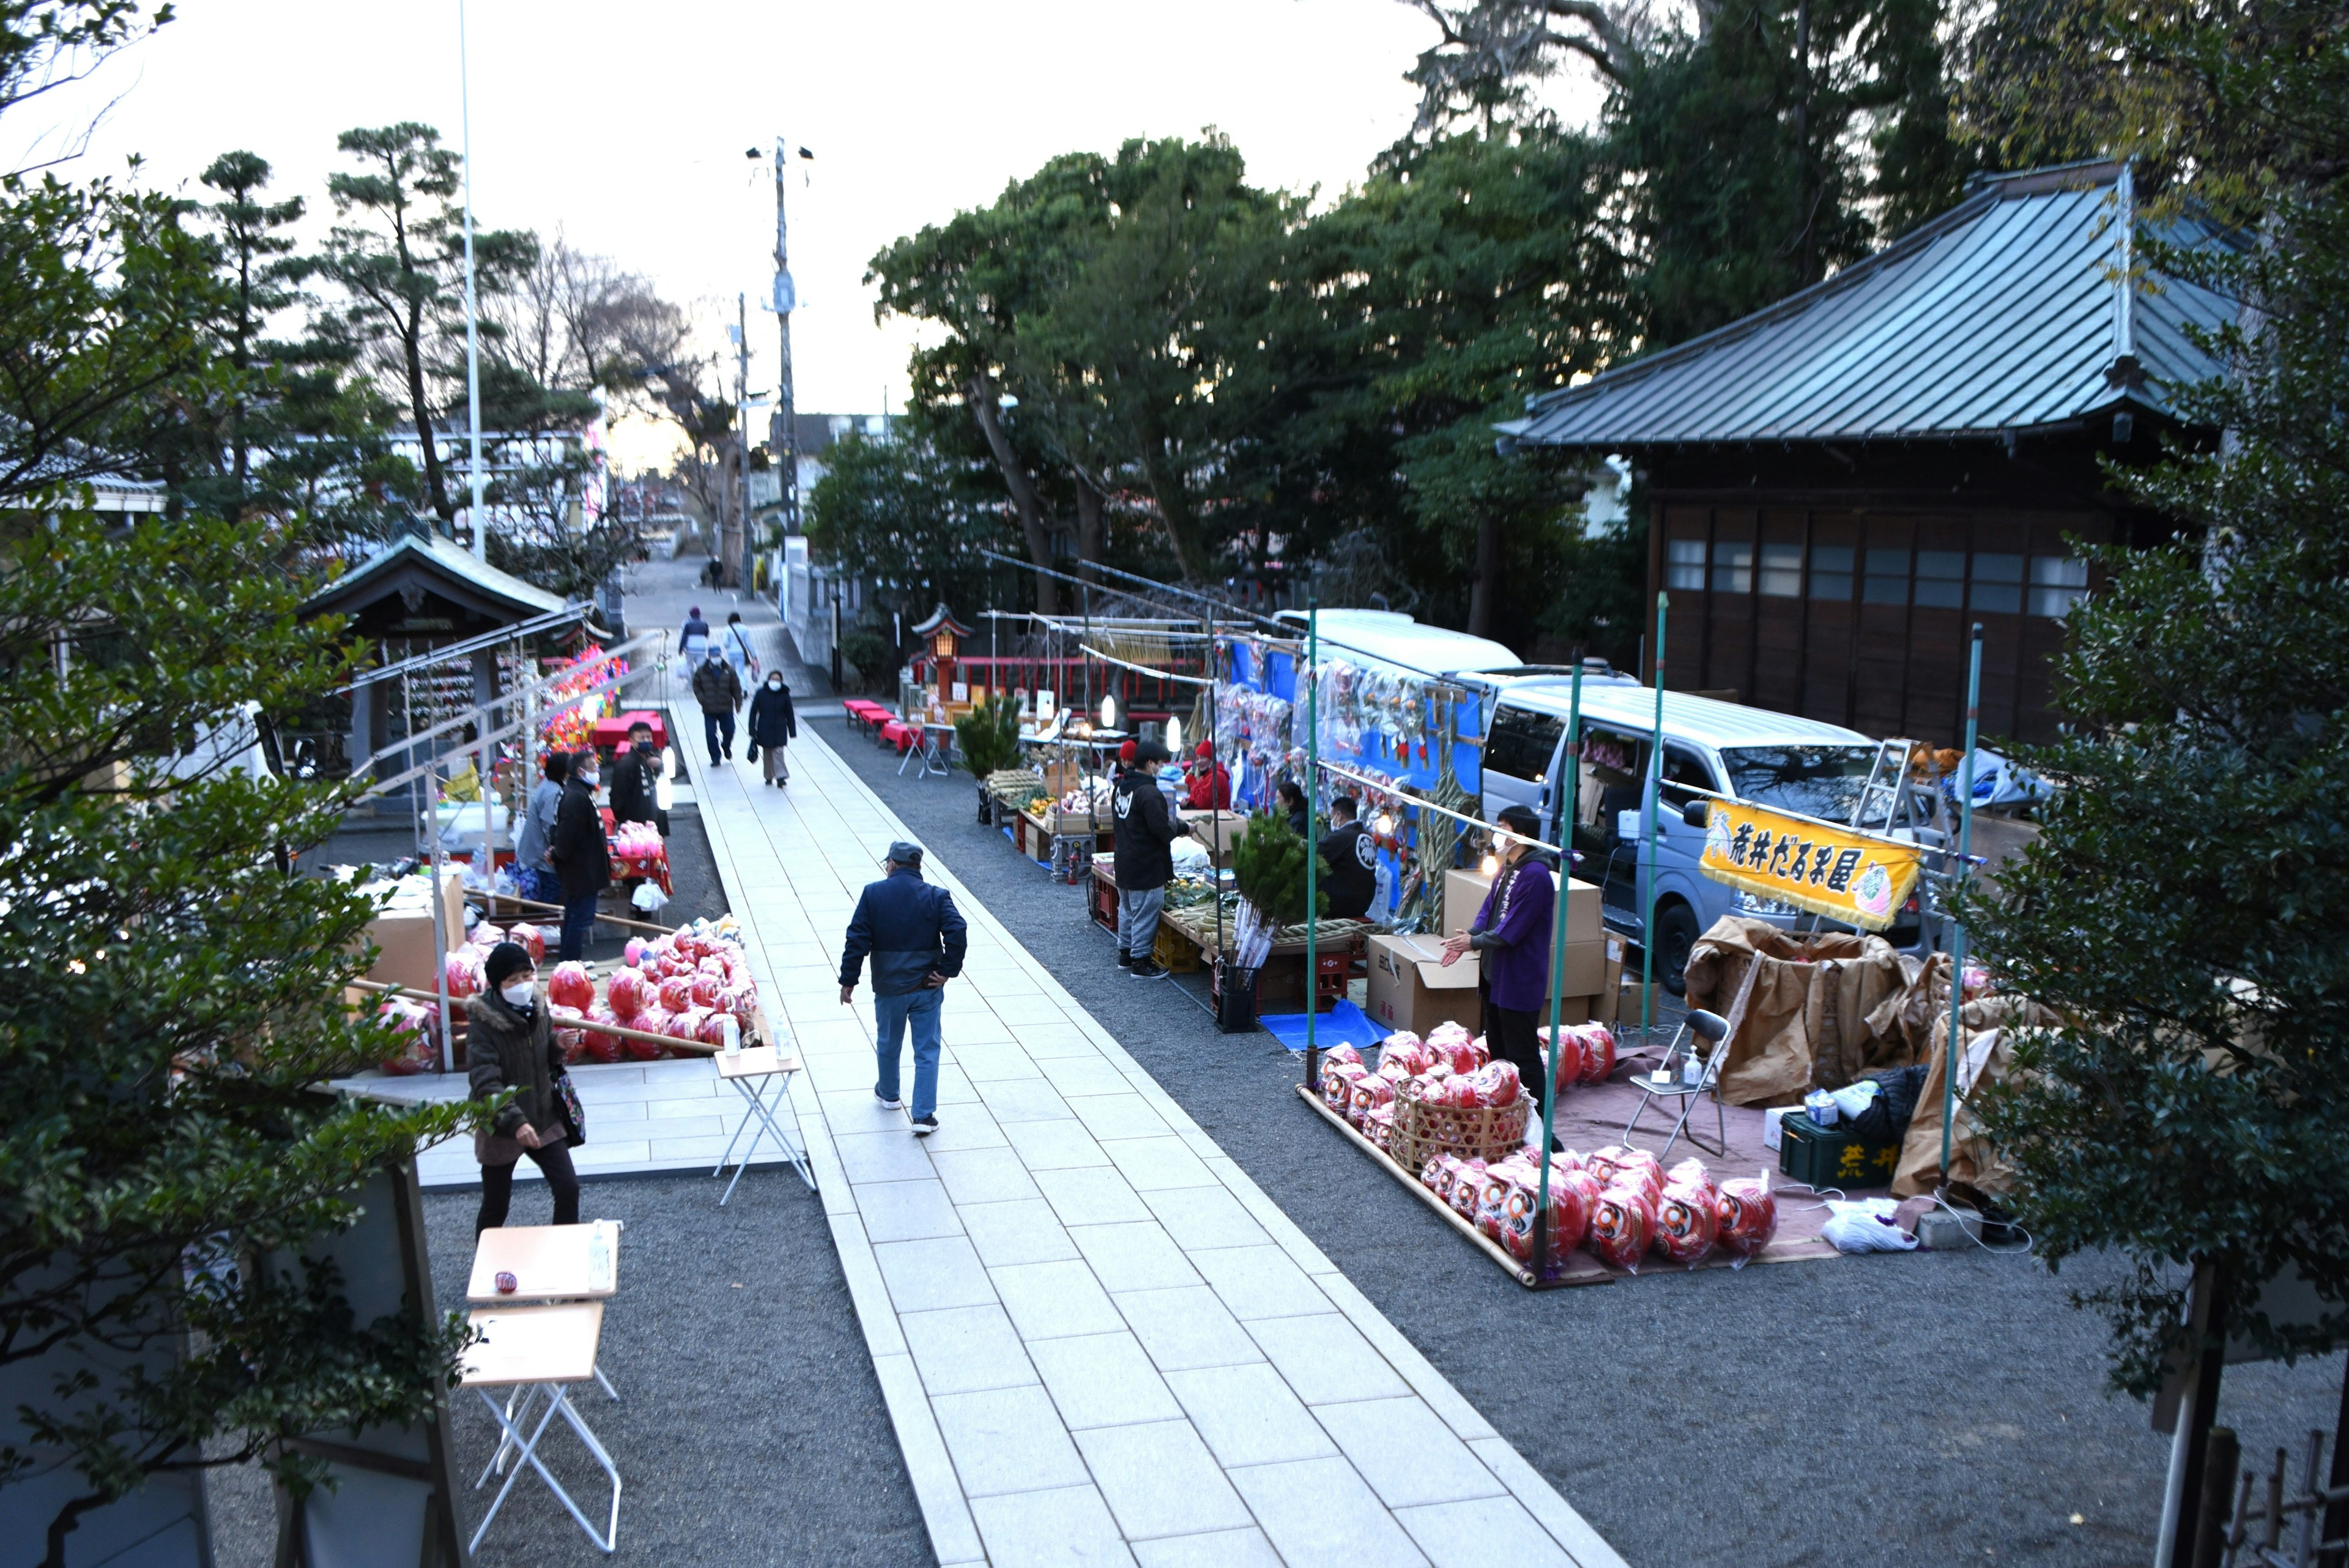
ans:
x=1100 y=1342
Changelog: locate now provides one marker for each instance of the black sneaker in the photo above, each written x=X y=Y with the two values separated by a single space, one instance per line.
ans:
x=1148 y=970
x=925 y=1126
x=1124 y=959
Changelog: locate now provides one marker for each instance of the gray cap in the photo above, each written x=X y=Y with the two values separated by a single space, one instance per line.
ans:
x=905 y=854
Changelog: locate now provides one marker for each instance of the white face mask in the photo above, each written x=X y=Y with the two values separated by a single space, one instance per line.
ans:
x=519 y=993
x=776 y=684
x=590 y=777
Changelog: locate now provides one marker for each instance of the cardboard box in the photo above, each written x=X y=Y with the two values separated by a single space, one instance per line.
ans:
x=404 y=930
x=1220 y=831
x=1605 y=1007
x=1412 y=989
x=1464 y=895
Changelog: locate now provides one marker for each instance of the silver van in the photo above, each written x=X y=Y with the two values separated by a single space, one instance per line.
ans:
x=1773 y=759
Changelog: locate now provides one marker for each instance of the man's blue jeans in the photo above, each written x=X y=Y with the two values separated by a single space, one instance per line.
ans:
x=717 y=728
x=890 y=1016
x=578 y=926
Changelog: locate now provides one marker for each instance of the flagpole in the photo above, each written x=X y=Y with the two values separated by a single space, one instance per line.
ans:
x=1648 y=833
x=1312 y=782
x=1569 y=786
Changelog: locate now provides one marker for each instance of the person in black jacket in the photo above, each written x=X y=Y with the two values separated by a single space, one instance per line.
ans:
x=915 y=938
x=634 y=773
x=510 y=1046
x=1351 y=855
x=1144 y=828
x=773 y=726
x=1291 y=795
x=582 y=854
x=720 y=691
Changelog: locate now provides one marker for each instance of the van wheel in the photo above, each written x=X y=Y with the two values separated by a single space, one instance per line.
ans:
x=1676 y=935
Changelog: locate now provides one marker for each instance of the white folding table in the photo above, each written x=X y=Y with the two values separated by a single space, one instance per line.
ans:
x=539 y=1350
x=753 y=1070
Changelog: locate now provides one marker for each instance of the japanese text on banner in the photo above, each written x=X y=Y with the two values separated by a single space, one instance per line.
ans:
x=1811 y=864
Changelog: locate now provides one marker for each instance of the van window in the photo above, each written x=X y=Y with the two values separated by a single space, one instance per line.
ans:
x=1522 y=741
x=1683 y=766
x=1824 y=782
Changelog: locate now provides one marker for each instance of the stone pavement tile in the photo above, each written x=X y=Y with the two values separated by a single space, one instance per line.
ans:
x=699 y=1107
x=1218 y=1549
x=840 y=1070
x=1541 y=1499
x=1326 y=1359
x=925 y=1275
x=983 y=1174
x=1055 y=1042
x=1069 y=1528
x=1406 y=1454
x=1248 y=1416
x=1202 y=1217
x=905 y=1210
x=1136 y=1256
x=1126 y=1116
x=986 y=1061
x=1096 y=1196
x=1023 y=1099
x=1090 y=1073
x=1157 y=1162
x=1008 y=1439
x=966 y=1350
x=1158 y=1479
x=963 y=1126
x=1040 y=1009
x=1024 y=1231
x=1102 y=1380
x=1050 y=1301
x=883 y=1157
x=953 y=1536
x=1430 y=1385
x=1477 y=1534
x=850 y=1111
x=1186 y=1328
x=1320 y=1514
x=975 y=1029
x=1063 y=1146
x=1259 y=1281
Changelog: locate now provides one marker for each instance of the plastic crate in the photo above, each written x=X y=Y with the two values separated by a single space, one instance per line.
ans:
x=1821 y=1157
x=1174 y=952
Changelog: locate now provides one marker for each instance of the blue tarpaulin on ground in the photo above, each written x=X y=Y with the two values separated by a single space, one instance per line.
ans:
x=1342 y=1024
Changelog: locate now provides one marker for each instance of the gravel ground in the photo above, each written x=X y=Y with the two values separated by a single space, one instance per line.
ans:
x=1858 y=1411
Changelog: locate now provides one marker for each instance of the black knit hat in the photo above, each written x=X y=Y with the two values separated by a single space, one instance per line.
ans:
x=505 y=959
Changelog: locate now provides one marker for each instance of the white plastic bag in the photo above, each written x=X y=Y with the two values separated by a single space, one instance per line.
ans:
x=1866 y=1225
x=648 y=897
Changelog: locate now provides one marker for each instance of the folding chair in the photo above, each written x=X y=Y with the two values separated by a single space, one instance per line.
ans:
x=1713 y=1029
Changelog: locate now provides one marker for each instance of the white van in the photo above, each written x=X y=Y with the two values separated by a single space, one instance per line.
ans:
x=1773 y=759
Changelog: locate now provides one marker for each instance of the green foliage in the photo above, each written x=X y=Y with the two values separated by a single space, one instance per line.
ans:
x=989 y=735
x=904 y=510
x=2186 y=909
x=867 y=647
x=1269 y=870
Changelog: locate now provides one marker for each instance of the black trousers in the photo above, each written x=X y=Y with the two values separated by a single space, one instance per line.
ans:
x=553 y=1162
x=1512 y=1036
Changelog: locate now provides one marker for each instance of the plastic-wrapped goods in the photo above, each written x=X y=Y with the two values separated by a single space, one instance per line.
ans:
x=634 y=953
x=1496 y=1083
x=705 y=988
x=600 y=1047
x=1467 y=1186
x=687 y=1025
x=654 y=1019
x=677 y=993
x=1493 y=1192
x=463 y=971
x=1565 y=1065
x=741 y=1000
x=713 y=1027
x=1689 y=1214
x=627 y=991
x=416 y=1040
x=1623 y=1227
x=1438 y=1173
x=570 y=1037
x=1623 y=1165
x=1340 y=1053
x=1747 y=1216
x=711 y=964
x=486 y=935
x=1457 y=1051
x=1597 y=1053
x=1403 y=1055
x=1569 y=1213
x=1369 y=1093
x=571 y=986
x=1378 y=1125
x=531 y=939
x=1337 y=1086
x=1401 y=1039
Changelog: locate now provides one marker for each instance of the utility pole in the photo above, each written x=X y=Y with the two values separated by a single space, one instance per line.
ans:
x=740 y=553
x=785 y=446
x=472 y=302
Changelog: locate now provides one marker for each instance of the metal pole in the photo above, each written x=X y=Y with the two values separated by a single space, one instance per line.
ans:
x=1312 y=857
x=1215 y=872
x=741 y=561
x=472 y=302
x=1647 y=833
x=1572 y=781
x=787 y=445
x=1956 y=1052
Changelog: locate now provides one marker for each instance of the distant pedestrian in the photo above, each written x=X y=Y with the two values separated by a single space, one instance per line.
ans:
x=773 y=725
x=510 y=1046
x=582 y=854
x=720 y=691
x=1145 y=826
x=534 y=875
x=736 y=644
x=915 y=938
x=693 y=642
x=1291 y=795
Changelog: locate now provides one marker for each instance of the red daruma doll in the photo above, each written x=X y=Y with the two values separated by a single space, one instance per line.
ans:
x=1746 y=1217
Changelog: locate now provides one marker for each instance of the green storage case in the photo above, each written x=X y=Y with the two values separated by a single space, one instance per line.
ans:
x=1828 y=1156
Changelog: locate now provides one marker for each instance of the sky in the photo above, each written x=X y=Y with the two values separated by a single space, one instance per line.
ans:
x=624 y=127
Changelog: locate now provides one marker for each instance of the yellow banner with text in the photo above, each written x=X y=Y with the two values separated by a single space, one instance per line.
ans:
x=1815 y=866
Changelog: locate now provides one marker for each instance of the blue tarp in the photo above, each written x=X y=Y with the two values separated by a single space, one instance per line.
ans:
x=1342 y=1024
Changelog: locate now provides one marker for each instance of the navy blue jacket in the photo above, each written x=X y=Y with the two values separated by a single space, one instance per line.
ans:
x=911 y=929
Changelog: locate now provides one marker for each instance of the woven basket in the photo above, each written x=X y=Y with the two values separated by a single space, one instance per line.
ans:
x=1472 y=1132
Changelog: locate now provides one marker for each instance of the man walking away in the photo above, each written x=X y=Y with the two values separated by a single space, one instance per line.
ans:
x=534 y=871
x=635 y=773
x=773 y=726
x=720 y=691
x=694 y=641
x=1351 y=855
x=915 y=938
x=736 y=645
x=583 y=856
x=1144 y=828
